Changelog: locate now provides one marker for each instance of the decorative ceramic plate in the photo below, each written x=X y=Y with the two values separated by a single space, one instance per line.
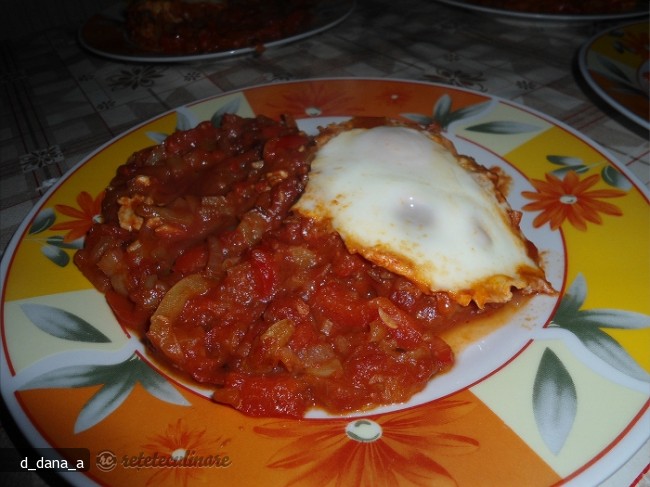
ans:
x=507 y=15
x=616 y=65
x=558 y=392
x=104 y=34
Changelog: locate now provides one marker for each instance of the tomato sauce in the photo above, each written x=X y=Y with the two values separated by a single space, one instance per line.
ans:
x=200 y=253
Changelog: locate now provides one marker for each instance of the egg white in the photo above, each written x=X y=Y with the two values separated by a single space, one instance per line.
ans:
x=403 y=201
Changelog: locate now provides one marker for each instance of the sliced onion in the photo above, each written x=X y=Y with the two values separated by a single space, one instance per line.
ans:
x=279 y=333
x=173 y=302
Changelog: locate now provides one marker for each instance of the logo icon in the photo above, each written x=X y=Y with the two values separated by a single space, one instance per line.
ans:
x=106 y=461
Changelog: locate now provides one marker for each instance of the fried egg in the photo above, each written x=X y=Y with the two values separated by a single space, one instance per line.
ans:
x=403 y=199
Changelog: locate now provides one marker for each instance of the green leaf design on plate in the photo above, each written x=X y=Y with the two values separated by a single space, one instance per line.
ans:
x=56 y=255
x=117 y=380
x=43 y=221
x=418 y=118
x=587 y=326
x=231 y=107
x=104 y=402
x=468 y=111
x=58 y=241
x=565 y=160
x=184 y=121
x=72 y=376
x=157 y=137
x=614 y=69
x=573 y=299
x=443 y=114
x=442 y=109
x=503 y=128
x=63 y=324
x=608 y=349
x=621 y=82
x=579 y=169
x=608 y=318
x=614 y=178
x=609 y=174
x=555 y=401
x=157 y=385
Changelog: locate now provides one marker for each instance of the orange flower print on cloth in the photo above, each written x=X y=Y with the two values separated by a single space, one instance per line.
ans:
x=82 y=217
x=570 y=199
x=184 y=454
x=395 y=449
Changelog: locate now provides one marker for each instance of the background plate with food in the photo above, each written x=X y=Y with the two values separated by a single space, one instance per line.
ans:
x=158 y=33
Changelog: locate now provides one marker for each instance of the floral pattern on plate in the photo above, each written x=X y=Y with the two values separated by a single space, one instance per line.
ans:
x=525 y=403
x=615 y=64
